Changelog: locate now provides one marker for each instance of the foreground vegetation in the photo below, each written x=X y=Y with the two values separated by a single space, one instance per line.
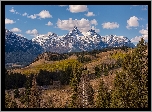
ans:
x=130 y=87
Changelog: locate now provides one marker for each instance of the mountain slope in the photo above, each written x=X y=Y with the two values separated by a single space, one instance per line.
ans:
x=20 y=49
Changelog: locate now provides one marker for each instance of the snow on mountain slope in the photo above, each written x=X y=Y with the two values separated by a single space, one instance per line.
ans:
x=76 y=41
x=71 y=42
x=20 y=49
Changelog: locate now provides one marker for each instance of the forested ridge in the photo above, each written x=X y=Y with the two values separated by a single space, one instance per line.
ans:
x=107 y=78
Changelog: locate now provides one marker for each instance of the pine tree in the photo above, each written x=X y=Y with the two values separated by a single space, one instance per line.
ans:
x=131 y=85
x=16 y=93
x=26 y=98
x=35 y=95
x=97 y=71
x=103 y=97
x=74 y=86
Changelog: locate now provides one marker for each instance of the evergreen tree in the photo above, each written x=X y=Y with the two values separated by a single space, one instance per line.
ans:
x=103 y=97
x=74 y=84
x=97 y=71
x=35 y=95
x=131 y=85
x=16 y=93
x=25 y=99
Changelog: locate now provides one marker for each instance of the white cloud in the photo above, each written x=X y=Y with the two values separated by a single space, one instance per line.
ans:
x=111 y=25
x=25 y=14
x=94 y=22
x=83 y=24
x=144 y=35
x=90 y=14
x=49 y=23
x=97 y=30
x=132 y=22
x=18 y=19
x=138 y=38
x=77 y=8
x=44 y=14
x=17 y=13
x=15 y=30
x=12 y=10
x=32 y=32
x=62 y=5
x=9 y=21
x=32 y=16
x=144 y=32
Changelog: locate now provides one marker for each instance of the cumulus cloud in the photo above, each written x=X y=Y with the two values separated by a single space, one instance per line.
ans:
x=9 y=21
x=83 y=24
x=32 y=32
x=25 y=14
x=90 y=14
x=96 y=30
x=15 y=30
x=77 y=8
x=44 y=14
x=144 y=34
x=32 y=16
x=138 y=38
x=49 y=23
x=109 y=25
x=94 y=22
x=132 y=22
x=12 y=10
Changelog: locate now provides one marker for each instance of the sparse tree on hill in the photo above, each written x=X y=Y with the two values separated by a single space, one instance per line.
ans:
x=74 y=86
x=35 y=95
x=103 y=97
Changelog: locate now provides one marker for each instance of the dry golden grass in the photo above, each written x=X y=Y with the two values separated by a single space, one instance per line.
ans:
x=60 y=97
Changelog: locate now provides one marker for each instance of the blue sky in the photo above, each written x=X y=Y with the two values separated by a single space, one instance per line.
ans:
x=122 y=20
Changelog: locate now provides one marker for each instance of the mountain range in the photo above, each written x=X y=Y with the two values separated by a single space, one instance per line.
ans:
x=24 y=50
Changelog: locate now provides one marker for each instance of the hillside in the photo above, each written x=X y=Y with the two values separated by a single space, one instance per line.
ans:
x=57 y=77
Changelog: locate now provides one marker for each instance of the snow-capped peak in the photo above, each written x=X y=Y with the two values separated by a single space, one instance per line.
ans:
x=75 y=32
x=91 y=33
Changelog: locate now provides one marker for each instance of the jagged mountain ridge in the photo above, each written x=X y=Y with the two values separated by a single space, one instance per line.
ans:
x=75 y=41
x=20 y=49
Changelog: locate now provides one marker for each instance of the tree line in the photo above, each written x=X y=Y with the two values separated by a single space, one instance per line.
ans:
x=130 y=86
